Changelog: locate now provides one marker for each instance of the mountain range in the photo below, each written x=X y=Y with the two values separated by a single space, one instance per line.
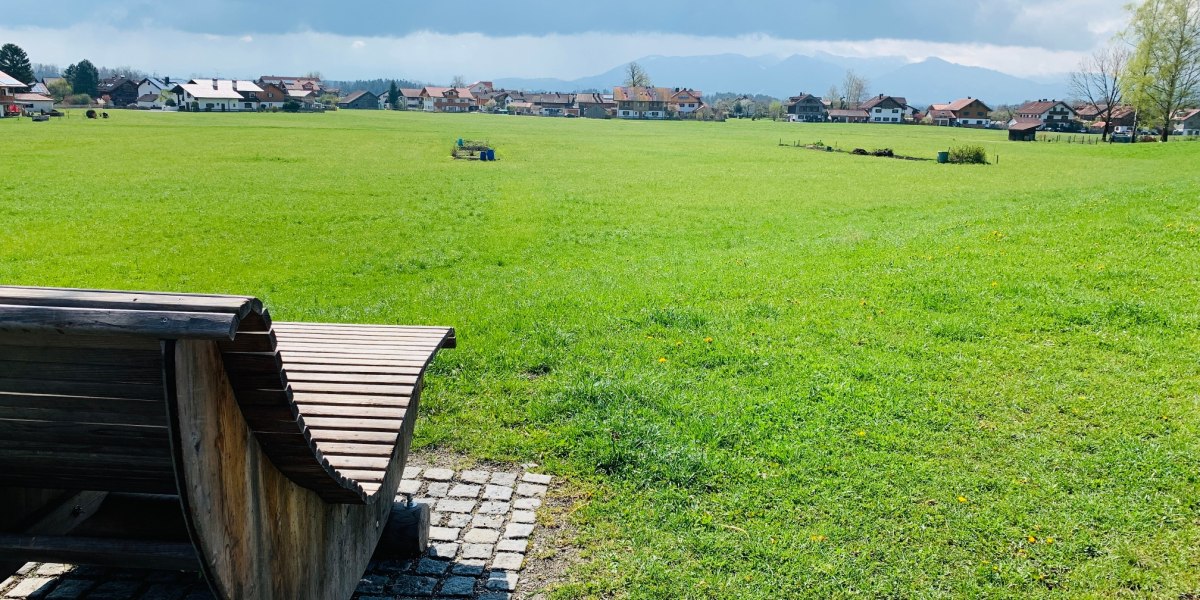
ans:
x=922 y=83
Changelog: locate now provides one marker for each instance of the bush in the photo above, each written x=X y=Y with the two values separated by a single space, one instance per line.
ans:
x=968 y=155
x=78 y=100
x=291 y=106
x=170 y=102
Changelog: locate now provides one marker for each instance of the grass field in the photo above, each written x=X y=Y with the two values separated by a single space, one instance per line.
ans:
x=764 y=372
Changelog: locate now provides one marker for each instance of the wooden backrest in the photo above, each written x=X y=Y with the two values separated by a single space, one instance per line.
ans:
x=84 y=376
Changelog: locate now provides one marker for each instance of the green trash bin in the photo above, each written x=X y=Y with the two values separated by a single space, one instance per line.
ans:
x=943 y=158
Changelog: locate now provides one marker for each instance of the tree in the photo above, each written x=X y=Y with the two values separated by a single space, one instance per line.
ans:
x=835 y=98
x=84 y=77
x=777 y=110
x=1098 y=82
x=1163 y=72
x=15 y=62
x=60 y=89
x=854 y=89
x=636 y=76
x=393 y=95
x=458 y=82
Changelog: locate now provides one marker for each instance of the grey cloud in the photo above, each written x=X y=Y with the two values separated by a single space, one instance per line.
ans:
x=1002 y=22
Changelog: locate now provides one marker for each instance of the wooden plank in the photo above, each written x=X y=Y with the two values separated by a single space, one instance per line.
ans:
x=149 y=323
x=345 y=411
x=345 y=338
x=364 y=475
x=351 y=463
x=320 y=358
x=93 y=389
x=360 y=424
x=84 y=434
x=333 y=435
x=301 y=375
x=99 y=551
x=359 y=449
x=375 y=389
x=26 y=296
x=85 y=410
x=297 y=368
x=151 y=483
x=306 y=399
x=367 y=351
x=143 y=374
x=300 y=326
x=84 y=345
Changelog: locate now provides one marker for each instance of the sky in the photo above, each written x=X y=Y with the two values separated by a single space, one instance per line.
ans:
x=434 y=41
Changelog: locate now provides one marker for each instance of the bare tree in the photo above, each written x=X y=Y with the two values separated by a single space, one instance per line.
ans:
x=636 y=76
x=835 y=98
x=1163 y=73
x=1098 y=83
x=854 y=89
x=458 y=82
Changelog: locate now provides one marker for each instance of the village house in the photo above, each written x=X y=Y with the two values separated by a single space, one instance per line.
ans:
x=807 y=108
x=9 y=87
x=685 y=102
x=151 y=92
x=311 y=84
x=410 y=99
x=1186 y=122
x=217 y=95
x=964 y=112
x=1121 y=121
x=1055 y=115
x=454 y=100
x=641 y=102
x=595 y=106
x=273 y=95
x=31 y=103
x=306 y=98
x=553 y=105
x=886 y=109
x=520 y=107
x=360 y=100
x=848 y=115
x=480 y=87
x=119 y=91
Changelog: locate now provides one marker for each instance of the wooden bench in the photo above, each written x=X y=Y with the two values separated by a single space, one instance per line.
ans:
x=184 y=431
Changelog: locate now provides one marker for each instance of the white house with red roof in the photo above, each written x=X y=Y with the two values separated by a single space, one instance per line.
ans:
x=1054 y=114
x=886 y=109
x=454 y=100
x=1186 y=122
x=964 y=112
x=9 y=87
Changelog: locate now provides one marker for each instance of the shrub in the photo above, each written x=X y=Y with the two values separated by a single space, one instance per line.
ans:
x=291 y=106
x=968 y=155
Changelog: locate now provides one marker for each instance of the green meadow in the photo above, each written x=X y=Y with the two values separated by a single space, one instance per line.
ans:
x=759 y=371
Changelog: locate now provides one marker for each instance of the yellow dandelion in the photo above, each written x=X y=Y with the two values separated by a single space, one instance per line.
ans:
x=995 y=283
x=678 y=344
x=708 y=340
x=862 y=433
x=1049 y=540
x=1032 y=539
x=818 y=538
x=962 y=499
x=662 y=359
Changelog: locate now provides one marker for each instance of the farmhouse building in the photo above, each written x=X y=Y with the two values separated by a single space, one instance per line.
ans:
x=1054 y=114
x=885 y=109
x=553 y=105
x=360 y=100
x=1186 y=122
x=685 y=102
x=151 y=92
x=217 y=95
x=807 y=108
x=9 y=86
x=454 y=100
x=311 y=84
x=964 y=112
x=641 y=102
x=848 y=115
x=30 y=102
x=120 y=91
x=1023 y=130
x=595 y=106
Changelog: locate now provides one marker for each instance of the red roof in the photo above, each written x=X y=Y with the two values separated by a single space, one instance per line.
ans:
x=1040 y=107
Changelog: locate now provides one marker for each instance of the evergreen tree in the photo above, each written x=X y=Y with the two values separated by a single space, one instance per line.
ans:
x=393 y=95
x=15 y=62
x=84 y=77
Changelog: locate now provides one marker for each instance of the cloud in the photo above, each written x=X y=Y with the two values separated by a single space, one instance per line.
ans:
x=1059 y=25
x=435 y=57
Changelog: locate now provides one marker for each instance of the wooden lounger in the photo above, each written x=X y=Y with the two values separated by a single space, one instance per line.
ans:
x=188 y=431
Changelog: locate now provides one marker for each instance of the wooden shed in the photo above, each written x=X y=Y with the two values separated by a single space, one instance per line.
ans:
x=1023 y=131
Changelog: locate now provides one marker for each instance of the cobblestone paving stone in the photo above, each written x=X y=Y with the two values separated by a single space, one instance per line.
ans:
x=481 y=524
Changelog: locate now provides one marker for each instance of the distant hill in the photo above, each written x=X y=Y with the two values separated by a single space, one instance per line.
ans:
x=923 y=83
